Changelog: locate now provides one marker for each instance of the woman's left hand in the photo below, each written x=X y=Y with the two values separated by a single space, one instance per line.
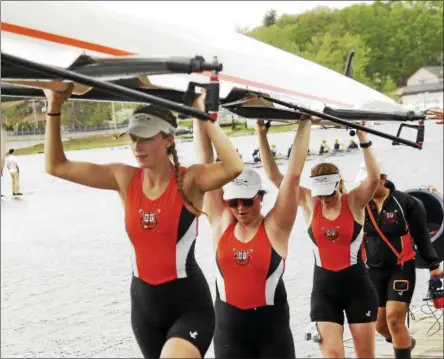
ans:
x=436 y=273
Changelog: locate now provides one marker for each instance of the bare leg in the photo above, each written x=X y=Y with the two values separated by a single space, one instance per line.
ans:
x=364 y=339
x=179 y=348
x=332 y=345
x=396 y=316
x=381 y=324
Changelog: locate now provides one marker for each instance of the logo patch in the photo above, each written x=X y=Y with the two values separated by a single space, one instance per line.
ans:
x=331 y=234
x=242 y=257
x=240 y=182
x=149 y=220
x=391 y=217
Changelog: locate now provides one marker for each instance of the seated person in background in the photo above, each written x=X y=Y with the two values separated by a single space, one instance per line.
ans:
x=352 y=146
x=256 y=155
x=338 y=146
x=324 y=148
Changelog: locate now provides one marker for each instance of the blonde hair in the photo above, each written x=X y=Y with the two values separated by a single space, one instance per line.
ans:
x=167 y=116
x=328 y=169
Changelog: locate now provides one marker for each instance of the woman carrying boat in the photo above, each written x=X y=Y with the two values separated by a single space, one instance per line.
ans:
x=252 y=312
x=341 y=282
x=394 y=222
x=172 y=314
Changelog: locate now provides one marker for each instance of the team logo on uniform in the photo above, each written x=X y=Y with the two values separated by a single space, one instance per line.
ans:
x=391 y=217
x=331 y=234
x=242 y=257
x=148 y=220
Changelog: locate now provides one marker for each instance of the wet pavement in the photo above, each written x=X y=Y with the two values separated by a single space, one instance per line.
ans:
x=66 y=258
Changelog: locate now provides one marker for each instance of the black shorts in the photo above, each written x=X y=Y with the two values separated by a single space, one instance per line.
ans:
x=396 y=284
x=262 y=332
x=182 y=309
x=350 y=291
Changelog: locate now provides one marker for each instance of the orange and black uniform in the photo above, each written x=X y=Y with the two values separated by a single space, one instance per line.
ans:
x=341 y=281
x=170 y=296
x=403 y=221
x=252 y=313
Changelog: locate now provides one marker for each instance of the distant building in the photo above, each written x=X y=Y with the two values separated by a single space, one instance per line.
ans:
x=424 y=89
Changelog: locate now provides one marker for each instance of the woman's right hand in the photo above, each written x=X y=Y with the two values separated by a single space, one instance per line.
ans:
x=56 y=98
x=262 y=128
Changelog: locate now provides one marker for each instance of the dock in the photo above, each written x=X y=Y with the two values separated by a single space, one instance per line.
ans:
x=425 y=326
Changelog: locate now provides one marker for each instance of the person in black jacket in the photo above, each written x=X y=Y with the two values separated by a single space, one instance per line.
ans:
x=401 y=221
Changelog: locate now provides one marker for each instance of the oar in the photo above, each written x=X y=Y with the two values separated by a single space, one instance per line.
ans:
x=110 y=88
x=344 y=122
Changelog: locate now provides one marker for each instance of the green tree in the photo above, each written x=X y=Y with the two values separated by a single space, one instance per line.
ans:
x=392 y=39
x=269 y=18
x=332 y=49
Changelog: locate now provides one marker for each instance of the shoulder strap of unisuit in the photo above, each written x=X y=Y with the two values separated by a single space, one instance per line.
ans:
x=383 y=237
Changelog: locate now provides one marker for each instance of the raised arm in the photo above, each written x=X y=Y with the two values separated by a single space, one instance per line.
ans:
x=280 y=219
x=272 y=170
x=267 y=158
x=210 y=175
x=362 y=194
x=213 y=205
x=84 y=173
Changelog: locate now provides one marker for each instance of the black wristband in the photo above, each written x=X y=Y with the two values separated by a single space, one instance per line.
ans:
x=366 y=144
x=53 y=114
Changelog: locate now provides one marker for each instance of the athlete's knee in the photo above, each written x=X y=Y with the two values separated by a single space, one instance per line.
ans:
x=396 y=321
x=179 y=348
x=333 y=352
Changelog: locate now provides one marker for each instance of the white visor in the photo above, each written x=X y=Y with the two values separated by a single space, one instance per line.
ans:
x=324 y=185
x=246 y=185
x=146 y=126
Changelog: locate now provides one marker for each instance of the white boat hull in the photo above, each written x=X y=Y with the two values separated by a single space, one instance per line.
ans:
x=56 y=33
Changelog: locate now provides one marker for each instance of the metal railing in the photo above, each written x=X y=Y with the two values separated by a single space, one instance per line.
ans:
x=66 y=129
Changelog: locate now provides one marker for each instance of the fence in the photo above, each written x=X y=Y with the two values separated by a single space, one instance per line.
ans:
x=66 y=129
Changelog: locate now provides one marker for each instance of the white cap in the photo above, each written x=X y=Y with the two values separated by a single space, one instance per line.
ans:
x=146 y=126
x=324 y=185
x=246 y=185
x=362 y=173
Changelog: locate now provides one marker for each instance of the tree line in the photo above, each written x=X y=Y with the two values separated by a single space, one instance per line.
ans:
x=392 y=39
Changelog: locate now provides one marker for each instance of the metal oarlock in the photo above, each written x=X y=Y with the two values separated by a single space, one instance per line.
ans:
x=419 y=134
x=213 y=89
x=212 y=92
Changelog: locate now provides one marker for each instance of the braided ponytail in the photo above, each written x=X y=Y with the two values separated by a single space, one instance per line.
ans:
x=179 y=177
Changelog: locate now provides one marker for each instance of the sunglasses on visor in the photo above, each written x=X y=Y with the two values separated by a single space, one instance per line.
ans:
x=246 y=202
